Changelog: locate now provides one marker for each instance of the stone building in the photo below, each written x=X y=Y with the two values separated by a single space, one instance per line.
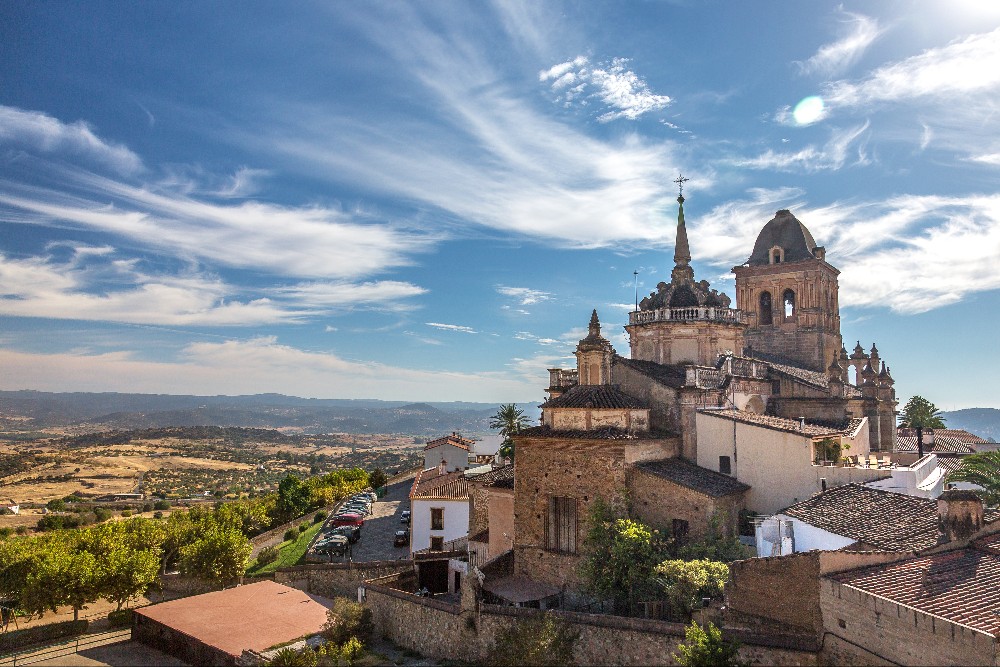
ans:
x=644 y=431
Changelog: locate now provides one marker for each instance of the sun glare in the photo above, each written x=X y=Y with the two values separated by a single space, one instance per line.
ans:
x=809 y=110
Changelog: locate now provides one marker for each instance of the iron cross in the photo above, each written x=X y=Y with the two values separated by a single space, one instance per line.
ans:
x=680 y=180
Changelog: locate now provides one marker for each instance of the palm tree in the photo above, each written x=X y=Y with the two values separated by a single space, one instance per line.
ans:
x=919 y=413
x=982 y=469
x=509 y=419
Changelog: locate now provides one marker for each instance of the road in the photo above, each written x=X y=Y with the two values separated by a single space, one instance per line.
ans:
x=381 y=526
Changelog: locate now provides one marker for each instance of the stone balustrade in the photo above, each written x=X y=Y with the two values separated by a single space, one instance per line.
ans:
x=698 y=313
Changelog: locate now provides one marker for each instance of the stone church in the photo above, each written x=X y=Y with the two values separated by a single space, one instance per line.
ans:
x=627 y=429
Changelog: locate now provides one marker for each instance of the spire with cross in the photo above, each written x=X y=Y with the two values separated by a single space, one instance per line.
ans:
x=680 y=181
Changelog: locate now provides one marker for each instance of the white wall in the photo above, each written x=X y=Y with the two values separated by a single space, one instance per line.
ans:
x=456 y=520
x=804 y=537
x=454 y=457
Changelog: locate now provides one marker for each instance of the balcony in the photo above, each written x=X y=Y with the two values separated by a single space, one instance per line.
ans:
x=693 y=314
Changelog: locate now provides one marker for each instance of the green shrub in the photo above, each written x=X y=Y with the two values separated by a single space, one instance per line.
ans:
x=291 y=535
x=267 y=555
x=6 y=531
x=705 y=647
x=542 y=639
x=126 y=513
x=345 y=654
x=56 y=505
x=303 y=527
x=347 y=619
x=121 y=618
x=161 y=505
x=320 y=516
x=102 y=513
x=157 y=515
x=147 y=507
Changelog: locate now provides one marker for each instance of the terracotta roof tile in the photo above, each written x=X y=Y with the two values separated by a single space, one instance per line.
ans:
x=608 y=433
x=454 y=439
x=596 y=396
x=962 y=586
x=775 y=423
x=956 y=433
x=429 y=484
x=941 y=444
x=502 y=477
x=671 y=375
x=882 y=519
x=704 y=481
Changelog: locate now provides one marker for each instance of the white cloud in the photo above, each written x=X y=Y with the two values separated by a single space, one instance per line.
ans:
x=306 y=241
x=908 y=253
x=451 y=327
x=258 y=365
x=831 y=156
x=619 y=88
x=525 y=296
x=46 y=134
x=38 y=287
x=244 y=183
x=964 y=67
x=383 y=294
x=987 y=158
x=859 y=33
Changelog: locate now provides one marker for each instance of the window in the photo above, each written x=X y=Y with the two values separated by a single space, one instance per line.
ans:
x=561 y=527
x=680 y=530
x=437 y=543
x=437 y=518
x=777 y=255
x=765 y=308
x=789 y=299
x=725 y=466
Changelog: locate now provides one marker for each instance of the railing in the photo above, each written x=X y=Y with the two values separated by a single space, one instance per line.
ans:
x=703 y=313
x=62 y=649
x=704 y=378
x=479 y=553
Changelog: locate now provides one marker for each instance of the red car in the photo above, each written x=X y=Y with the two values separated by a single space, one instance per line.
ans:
x=348 y=520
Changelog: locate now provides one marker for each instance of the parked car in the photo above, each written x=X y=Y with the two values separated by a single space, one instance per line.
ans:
x=352 y=533
x=348 y=520
x=405 y=517
x=335 y=545
x=402 y=538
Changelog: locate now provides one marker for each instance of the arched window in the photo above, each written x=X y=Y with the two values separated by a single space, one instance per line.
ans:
x=765 y=308
x=777 y=255
x=789 y=299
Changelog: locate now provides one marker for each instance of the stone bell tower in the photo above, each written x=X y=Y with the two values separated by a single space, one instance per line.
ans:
x=684 y=321
x=789 y=294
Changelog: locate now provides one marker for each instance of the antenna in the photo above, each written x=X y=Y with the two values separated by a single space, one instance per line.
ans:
x=635 y=275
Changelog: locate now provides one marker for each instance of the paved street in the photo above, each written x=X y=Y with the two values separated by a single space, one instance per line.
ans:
x=382 y=524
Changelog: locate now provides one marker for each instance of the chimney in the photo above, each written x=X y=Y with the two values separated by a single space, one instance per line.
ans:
x=960 y=515
x=442 y=467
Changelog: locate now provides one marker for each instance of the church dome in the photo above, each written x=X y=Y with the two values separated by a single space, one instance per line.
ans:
x=786 y=232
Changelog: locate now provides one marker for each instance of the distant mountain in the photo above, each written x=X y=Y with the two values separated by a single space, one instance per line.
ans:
x=109 y=411
x=984 y=422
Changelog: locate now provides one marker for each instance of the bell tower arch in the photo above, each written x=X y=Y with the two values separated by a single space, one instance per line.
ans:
x=789 y=294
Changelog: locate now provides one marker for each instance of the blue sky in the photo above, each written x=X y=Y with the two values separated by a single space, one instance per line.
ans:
x=424 y=201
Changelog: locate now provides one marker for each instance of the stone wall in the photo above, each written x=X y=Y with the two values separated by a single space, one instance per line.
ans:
x=501 y=511
x=664 y=414
x=657 y=502
x=864 y=625
x=584 y=469
x=784 y=591
x=446 y=631
x=338 y=579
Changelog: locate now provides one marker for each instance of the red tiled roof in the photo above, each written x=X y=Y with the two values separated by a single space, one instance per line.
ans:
x=882 y=519
x=704 y=481
x=454 y=440
x=942 y=444
x=429 y=484
x=502 y=477
x=956 y=433
x=775 y=423
x=961 y=586
x=596 y=396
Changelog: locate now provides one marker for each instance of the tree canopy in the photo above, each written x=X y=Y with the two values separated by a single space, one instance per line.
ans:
x=509 y=419
x=920 y=413
x=982 y=469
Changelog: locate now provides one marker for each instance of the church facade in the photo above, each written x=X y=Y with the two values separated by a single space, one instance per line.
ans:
x=629 y=429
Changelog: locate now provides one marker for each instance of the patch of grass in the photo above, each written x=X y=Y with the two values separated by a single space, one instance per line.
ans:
x=289 y=552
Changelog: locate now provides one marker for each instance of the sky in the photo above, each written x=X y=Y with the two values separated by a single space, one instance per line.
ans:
x=425 y=201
